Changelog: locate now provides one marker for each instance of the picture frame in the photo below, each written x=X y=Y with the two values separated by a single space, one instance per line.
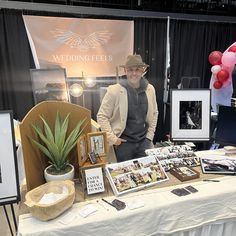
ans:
x=8 y=161
x=97 y=143
x=49 y=84
x=184 y=173
x=190 y=114
x=82 y=149
x=135 y=174
x=218 y=164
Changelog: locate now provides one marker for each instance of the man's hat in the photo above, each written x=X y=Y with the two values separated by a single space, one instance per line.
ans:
x=134 y=60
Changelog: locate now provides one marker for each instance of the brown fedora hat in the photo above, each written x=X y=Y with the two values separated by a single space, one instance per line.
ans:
x=134 y=60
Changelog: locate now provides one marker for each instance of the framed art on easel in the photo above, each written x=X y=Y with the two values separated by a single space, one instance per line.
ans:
x=8 y=161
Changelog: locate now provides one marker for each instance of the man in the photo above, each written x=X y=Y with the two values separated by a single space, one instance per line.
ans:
x=128 y=112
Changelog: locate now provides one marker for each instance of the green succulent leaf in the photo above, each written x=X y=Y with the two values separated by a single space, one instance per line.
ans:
x=63 y=132
x=44 y=150
x=57 y=128
x=47 y=130
x=55 y=145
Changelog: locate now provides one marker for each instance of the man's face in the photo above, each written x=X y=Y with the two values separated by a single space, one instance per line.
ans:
x=134 y=74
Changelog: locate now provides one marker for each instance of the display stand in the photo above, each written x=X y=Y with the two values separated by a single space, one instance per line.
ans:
x=8 y=167
x=8 y=219
x=87 y=165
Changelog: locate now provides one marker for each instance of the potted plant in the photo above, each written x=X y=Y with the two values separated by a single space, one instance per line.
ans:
x=56 y=145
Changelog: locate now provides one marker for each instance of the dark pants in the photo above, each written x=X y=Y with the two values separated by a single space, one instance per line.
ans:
x=127 y=150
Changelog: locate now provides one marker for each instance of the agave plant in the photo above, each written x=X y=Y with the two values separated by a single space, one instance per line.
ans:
x=57 y=145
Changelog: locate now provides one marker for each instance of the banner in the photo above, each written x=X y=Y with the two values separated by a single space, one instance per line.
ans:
x=89 y=46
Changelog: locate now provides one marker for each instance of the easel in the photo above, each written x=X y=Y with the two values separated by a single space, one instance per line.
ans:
x=7 y=143
x=13 y=217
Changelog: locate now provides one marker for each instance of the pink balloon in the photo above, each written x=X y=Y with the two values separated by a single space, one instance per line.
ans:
x=228 y=59
x=215 y=69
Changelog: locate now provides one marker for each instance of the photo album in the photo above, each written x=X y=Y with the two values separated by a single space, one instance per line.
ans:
x=218 y=165
x=135 y=174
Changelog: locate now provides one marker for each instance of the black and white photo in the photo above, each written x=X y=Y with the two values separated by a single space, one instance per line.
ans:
x=218 y=164
x=190 y=114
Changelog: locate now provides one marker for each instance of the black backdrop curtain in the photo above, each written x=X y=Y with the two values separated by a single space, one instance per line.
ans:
x=16 y=89
x=150 y=43
x=15 y=61
x=191 y=42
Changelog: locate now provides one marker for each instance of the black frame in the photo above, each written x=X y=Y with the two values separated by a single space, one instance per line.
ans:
x=15 y=198
x=200 y=132
x=44 y=74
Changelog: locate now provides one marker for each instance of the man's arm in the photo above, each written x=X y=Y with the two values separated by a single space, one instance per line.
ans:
x=105 y=113
x=154 y=116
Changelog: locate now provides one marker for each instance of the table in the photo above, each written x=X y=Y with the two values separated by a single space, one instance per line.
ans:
x=210 y=211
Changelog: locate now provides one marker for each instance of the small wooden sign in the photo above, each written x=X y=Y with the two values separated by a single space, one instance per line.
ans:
x=94 y=180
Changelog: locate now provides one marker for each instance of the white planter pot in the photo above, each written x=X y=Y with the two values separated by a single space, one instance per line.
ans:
x=67 y=176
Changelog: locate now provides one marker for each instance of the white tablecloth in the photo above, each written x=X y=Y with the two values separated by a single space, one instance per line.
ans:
x=211 y=211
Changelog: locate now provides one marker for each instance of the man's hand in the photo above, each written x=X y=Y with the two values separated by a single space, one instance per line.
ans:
x=119 y=141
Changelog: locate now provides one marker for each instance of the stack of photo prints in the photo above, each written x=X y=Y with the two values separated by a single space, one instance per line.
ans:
x=175 y=156
x=135 y=174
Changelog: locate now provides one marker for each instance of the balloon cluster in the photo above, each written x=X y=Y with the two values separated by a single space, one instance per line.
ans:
x=222 y=66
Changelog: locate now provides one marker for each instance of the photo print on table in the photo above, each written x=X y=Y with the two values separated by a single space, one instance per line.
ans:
x=218 y=164
x=135 y=174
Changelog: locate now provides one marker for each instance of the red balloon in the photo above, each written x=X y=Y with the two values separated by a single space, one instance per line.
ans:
x=217 y=84
x=232 y=49
x=215 y=57
x=222 y=75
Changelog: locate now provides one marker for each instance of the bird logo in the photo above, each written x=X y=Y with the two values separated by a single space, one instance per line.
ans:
x=83 y=43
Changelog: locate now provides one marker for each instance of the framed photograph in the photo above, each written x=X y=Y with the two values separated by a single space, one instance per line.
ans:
x=97 y=143
x=184 y=173
x=218 y=165
x=49 y=84
x=135 y=174
x=190 y=114
x=82 y=149
x=8 y=161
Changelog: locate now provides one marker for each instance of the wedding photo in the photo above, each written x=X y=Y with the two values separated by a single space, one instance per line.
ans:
x=97 y=143
x=135 y=174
